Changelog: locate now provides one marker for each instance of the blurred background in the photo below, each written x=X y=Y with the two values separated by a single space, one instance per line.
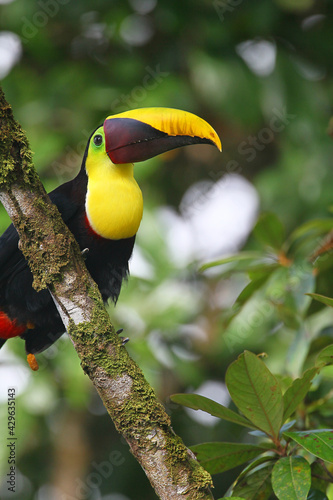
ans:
x=261 y=73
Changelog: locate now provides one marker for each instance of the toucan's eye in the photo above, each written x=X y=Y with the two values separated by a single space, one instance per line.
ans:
x=98 y=139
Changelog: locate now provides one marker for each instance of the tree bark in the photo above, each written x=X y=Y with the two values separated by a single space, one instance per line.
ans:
x=56 y=262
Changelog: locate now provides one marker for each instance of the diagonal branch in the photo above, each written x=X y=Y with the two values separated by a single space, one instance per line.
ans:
x=55 y=260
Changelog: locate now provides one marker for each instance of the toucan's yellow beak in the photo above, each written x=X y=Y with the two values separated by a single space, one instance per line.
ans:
x=140 y=134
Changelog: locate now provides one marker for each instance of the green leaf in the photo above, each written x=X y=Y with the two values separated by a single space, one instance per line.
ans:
x=241 y=256
x=324 y=262
x=259 y=462
x=298 y=350
x=300 y=282
x=259 y=271
x=291 y=478
x=258 y=434
x=256 y=485
x=317 y=495
x=218 y=457
x=323 y=339
x=197 y=402
x=288 y=315
x=319 y=442
x=256 y=393
x=321 y=298
x=295 y=394
x=314 y=226
x=250 y=288
x=287 y=426
x=325 y=356
x=287 y=288
x=269 y=230
x=319 y=476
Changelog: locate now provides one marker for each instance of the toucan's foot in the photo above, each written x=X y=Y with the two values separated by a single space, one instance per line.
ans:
x=124 y=340
x=84 y=253
x=32 y=361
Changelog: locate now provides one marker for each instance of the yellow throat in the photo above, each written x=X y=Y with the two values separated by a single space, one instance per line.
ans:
x=114 y=203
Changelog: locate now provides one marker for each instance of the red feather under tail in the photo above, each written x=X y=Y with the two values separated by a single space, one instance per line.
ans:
x=10 y=328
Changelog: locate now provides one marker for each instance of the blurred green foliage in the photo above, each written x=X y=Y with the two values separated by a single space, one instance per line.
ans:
x=261 y=74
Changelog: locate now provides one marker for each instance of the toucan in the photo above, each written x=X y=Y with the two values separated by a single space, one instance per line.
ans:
x=102 y=206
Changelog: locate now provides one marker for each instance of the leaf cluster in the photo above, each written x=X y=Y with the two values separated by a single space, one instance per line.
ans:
x=287 y=460
x=290 y=414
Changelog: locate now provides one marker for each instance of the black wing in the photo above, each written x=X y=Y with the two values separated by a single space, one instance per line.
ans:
x=69 y=198
x=10 y=255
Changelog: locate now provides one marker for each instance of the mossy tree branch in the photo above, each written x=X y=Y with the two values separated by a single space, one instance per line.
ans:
x=55 y=260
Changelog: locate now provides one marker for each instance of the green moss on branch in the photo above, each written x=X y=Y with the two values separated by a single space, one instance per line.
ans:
x=14 y=149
